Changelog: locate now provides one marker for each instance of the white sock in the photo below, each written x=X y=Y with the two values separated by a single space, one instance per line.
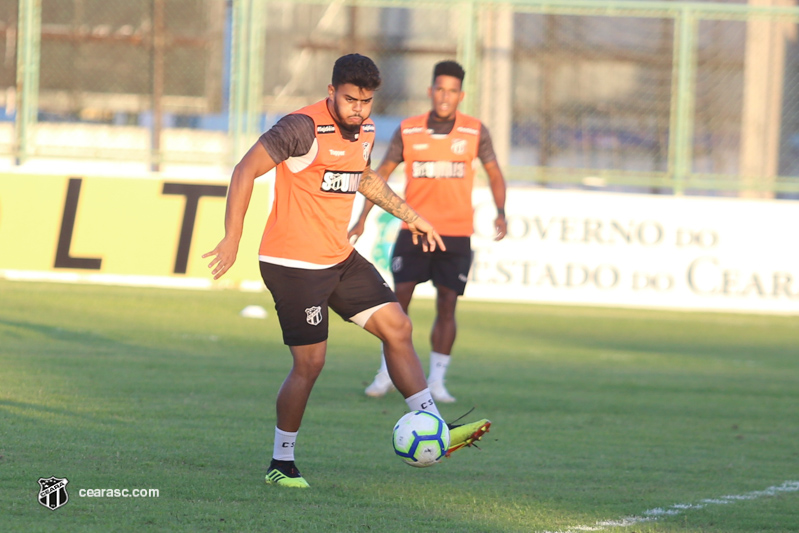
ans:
x=422 y=401
x=438 y=366
x=383 y=366
x=284 y=445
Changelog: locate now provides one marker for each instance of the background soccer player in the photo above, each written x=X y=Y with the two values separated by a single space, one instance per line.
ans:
x=439 y=149
x=321 y=154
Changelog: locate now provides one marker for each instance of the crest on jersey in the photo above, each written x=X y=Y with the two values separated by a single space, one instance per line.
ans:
x=313 y=315
x=458 y=146
x=367 y=149
x=53 y=492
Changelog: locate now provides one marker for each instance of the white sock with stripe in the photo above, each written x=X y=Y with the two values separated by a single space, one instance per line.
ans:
x=284 y=445
x=438 y=366
x=422 y=401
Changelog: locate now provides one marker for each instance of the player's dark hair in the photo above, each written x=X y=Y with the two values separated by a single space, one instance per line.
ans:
x=358 y=70
x=448 y=68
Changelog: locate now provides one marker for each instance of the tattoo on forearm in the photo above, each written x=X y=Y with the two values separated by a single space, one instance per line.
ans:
x=375 y=189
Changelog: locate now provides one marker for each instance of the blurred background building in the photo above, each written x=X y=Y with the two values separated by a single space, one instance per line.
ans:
x=662 y=97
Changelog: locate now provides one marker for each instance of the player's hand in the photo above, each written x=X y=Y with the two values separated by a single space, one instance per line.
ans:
x=430 y=237
x=355 y=232
x=501 y=227
x=224 y=256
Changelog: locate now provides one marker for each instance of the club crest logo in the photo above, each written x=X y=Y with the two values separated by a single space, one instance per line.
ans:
x=367 y=149
x=53 y=492
x=458 y=146
x=313 y=315
x=396 y=264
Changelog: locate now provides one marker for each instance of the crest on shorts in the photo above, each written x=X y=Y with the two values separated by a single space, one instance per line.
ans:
x=396 y=264
x=313 y=315
x=53 y=492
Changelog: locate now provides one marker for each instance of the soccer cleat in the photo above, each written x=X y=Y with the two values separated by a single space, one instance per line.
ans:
x=381 y=386
x=285 y=474
x=461 y=435
x=439 y=392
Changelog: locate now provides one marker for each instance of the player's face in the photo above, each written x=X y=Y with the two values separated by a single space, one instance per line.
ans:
x=445 y=95
x=351 y=105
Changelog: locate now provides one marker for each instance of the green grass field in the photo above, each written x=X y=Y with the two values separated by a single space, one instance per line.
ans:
x=602 y=417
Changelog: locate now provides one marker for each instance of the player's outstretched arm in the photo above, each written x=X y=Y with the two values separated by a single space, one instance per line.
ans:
x=384 y=171
x=255 y=162
x=374 y=188
x=497 y=183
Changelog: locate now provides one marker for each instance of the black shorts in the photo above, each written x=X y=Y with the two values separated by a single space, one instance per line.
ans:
x=447 y=269
x=302 y=296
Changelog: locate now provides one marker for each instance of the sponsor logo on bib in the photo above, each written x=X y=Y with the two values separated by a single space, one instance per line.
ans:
x=341 y=182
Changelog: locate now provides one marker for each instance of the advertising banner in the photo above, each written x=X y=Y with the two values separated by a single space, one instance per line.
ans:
x=563 y=246
x=618 y=249
x=141 y=231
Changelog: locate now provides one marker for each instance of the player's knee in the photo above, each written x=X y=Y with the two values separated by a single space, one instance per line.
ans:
x=446 y=301
x=310 y=366
x=400 y=330
x=446 y=313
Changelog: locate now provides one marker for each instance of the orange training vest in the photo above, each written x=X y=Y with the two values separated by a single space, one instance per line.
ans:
x=314 y=194
x=439 y=172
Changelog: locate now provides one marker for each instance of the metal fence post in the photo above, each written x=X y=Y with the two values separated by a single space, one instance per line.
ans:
x=255 y=70
x=158 y=57
x=683 y=99
x=238 y=76
x=28 y=45
x=467 y=54
x=246 y=74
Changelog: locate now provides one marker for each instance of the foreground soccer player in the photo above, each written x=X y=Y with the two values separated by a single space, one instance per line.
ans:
x=322 y=154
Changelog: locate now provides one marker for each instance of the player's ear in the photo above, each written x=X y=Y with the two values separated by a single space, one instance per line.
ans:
x=331 y=91
x=429 y=92
x=460 y=98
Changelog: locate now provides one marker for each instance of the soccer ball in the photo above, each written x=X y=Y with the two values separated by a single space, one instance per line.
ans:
x=421 y=438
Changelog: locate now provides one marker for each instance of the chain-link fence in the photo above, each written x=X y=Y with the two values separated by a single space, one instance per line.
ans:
x=654 y=96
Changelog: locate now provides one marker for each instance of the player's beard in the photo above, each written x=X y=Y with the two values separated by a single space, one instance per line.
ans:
x=349 y=128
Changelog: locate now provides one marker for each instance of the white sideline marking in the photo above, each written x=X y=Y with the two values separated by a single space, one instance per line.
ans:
x=654 y=514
